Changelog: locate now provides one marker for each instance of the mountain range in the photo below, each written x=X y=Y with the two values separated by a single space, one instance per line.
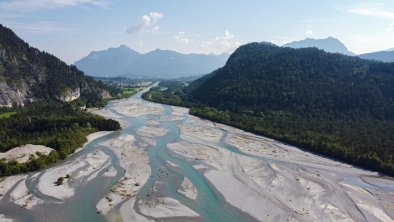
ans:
x=123 y=61
x=28 y=74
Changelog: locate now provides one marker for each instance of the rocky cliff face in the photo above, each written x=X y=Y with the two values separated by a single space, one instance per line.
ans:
x=27 y=75
x=69 y=95
x=15 y=95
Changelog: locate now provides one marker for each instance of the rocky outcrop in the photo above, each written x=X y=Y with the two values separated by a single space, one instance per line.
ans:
x=10 y=96
x=68 y=95
x=105 y=95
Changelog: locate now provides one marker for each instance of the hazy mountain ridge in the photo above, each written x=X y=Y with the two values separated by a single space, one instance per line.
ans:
x=383 y=56
x=123 y=61
x=333 y=45
x=329 y=44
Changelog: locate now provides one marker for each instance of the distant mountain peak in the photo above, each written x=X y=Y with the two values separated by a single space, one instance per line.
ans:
x=329 y=44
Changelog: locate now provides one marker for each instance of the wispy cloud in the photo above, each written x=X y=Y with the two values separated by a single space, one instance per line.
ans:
x=181 y=37
x=377 y=10
x=221 y=44
x=33 y=5
x=374 y=12
x=148 y=24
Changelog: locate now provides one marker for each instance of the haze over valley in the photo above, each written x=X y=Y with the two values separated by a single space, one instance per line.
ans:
x=125 y=62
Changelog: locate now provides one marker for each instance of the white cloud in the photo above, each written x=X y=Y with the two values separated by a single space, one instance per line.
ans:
x=148 y=24
x=377 y=11
x=221 y=44
x=309 y=32
x=373 y=12
x=182 y=38
x=32 y=5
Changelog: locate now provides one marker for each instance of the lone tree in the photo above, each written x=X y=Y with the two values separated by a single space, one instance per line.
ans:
x=59 y=181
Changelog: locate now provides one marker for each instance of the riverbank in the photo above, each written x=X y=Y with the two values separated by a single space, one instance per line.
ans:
x=82 y=170
x=273 y=181
x=166 y=165
x=340 y=136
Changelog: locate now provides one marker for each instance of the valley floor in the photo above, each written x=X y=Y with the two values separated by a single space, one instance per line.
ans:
x=167 y=165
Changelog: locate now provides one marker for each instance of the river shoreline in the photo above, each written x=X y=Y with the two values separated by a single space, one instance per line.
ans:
x=166 y=165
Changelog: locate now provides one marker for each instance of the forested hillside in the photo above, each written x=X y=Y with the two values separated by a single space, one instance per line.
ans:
x=53 y=124
x=40 y=103
x=337 y=105
x=27 y=74
x=308 y=82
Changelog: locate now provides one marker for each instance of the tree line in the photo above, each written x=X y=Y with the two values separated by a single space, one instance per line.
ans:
x=56 y=125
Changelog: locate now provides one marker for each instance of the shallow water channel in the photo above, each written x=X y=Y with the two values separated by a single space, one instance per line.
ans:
x=210 y=205
x=332 y=182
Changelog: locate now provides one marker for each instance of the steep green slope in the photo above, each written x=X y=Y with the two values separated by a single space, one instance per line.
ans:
x=35 y=91
x=27 y=74
x=332 y=104
x=260 y=78
x=337 y=105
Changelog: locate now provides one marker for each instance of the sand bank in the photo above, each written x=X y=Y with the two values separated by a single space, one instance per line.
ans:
x=135 y=161
x=165 y=208
x=133 y=107
x=23 y=154
x=283 y=183
x=188 y=189
x=80 y=171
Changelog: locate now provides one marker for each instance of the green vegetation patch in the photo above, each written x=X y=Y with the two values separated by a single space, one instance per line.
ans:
x=127 y=92
x=53 y=124
x=6 y=115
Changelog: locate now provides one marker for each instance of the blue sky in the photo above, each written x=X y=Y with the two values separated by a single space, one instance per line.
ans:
x=70 y=29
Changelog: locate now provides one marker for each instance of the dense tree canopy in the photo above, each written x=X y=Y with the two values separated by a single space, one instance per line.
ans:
x=337 y=105
x=260 y=78
x=54 y=124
